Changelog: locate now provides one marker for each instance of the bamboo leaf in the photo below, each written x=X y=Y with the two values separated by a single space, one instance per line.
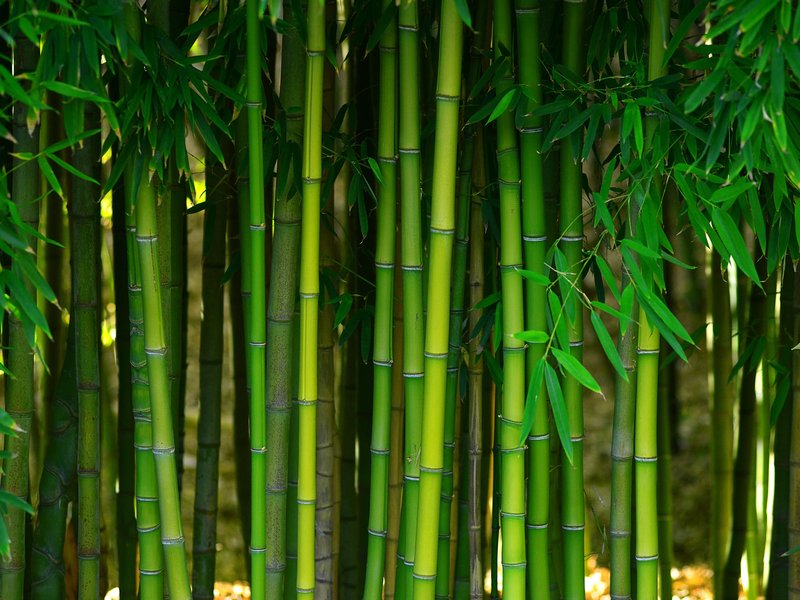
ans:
x=531 y=399
x=532 y=336
x=608 y=345
x=463 y=12
x=47 y=170
x=574 y=367
x=11 y=500
x=732 y=239
x=560 y=416
x=502 y=105
x=534 y=277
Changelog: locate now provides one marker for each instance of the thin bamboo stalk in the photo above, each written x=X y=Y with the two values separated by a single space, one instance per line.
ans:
x=280 y=341
x=573 y=511
x=290 y=584
x=722 y=419
x=384 y=305
x=309 y=300
x=475 y=381
x=204 y=536
x=622 y=459
x=411 y=261
x=793 y=510
x=448 y=93
x=85 y=226
x=256 y=330
x=20 y=388
x=163 y=432
x=55 y=487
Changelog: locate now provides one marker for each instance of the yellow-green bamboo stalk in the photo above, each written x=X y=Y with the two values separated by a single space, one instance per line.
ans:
x=309 y=300
x=448 y=95
x=384 y=303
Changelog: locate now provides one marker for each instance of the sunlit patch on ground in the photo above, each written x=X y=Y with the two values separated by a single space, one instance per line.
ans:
x=238 y=590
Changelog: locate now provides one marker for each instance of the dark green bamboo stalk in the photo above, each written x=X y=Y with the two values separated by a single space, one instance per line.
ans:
x=722 y=420
x=255 y=320
x=411 y=261
x=204 y=538
x=126 y=489
x=280 y=342
x=461 y=585
x=160 y=404
x=448 y=93
x=290 y=584
x=475 y=381
x=384 y=304
x=572 y=505
x=326 y=424
x=85 y=226
x=622 y=459
x=55 y=486
x=778 y=582
x=793 y=510
x=309 y=300
x=20 y=388
x=743 y=491
x=664 y=477
x=534 y=236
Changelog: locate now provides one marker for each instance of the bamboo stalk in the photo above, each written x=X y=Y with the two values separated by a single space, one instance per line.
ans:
x=55 y=486
x=309 y=300
x=384 y=304
x=280 y=341
x=622 y=459
x=204 y=535
x=85 y=226
x=20 y=361
x=255 y=320
x=722 y=419
x=163 y=432
x=573 y=505
x=793 y=510
x=448 y=92
x=411 y=261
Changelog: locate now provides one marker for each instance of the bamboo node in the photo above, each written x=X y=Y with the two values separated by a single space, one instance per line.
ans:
x=539 y=438
x=645 y=459
x=646 y=558
x=373 y=532
x=536 y=525
x=254 y=550
x=534 y=238
x=573 y=527
x=416 y=575
x=448 y=98
x=510 y=515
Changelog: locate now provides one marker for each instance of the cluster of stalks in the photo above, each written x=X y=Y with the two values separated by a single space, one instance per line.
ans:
x=414 y=210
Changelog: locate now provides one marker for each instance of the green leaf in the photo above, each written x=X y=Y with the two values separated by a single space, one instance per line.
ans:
x=608 y=345
x=732 y=239
x=380 y=27
x=487 y=301
x=502 y=104
x=47 y=170
x=534 y=277
x=574 y=367
x=559 y=409
x=11 y=500
x=531 y=399
x=463 y=12
x=532 y=336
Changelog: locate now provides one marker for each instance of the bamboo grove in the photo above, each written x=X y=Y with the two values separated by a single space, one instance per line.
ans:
x=318 y=277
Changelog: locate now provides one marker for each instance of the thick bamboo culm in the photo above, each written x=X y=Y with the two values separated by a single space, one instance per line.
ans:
x=384 y=303
x=448 y=96
x=411 y=266
x=573 y=512
x=309 y=300
x=280 y=310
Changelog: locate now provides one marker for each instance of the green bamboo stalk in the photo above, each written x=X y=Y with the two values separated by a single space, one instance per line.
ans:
x=475 y=381
x=793 y=514
x=778 y=582
x=722 y=420
x=160 y=400
x=664 y=477
x=769 y=376
x=280 y=342
x=743 y=481
x=290 y=583
x=255 y=321
x=309 y=299
x=448 y=93
x=55 y=486
x=534 y=236
x=461 y=585
x=85 y=226
x=20 y=388
x=148 y=519
x=573 y=506
x=394 y=510
x=411 y=261
x=443 y=578
x=622 y=459
x=384 y=305
x=204 y=538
